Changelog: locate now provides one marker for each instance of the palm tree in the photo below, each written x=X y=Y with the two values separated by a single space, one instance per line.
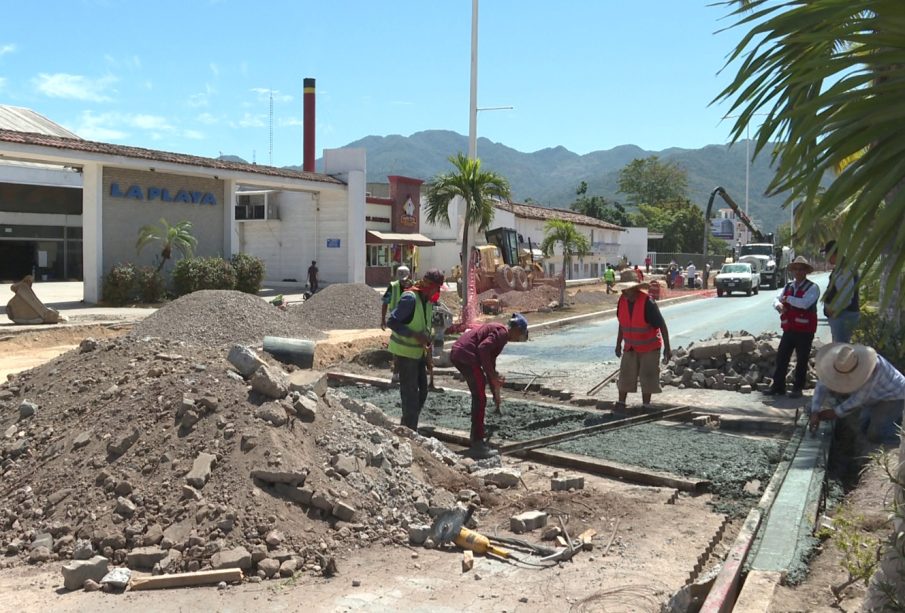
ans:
x=829 y=77
x=572 y=242
x=479 y=189
x=178 y=236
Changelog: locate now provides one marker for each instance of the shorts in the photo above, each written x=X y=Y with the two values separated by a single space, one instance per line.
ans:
x=637 y=366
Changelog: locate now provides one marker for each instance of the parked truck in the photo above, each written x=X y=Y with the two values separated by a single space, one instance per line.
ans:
x=767 y=259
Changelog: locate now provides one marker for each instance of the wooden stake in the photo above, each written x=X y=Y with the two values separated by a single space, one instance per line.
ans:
x=201 y=577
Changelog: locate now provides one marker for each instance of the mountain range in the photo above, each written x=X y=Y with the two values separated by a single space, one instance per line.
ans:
x=549 y=177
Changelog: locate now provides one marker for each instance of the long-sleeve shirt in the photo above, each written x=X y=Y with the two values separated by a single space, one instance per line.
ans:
x=480 y=347
x=885 y=383
x=810 y=298
x=402 y=315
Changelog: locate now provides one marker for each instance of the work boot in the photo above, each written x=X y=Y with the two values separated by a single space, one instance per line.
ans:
x=774 y=392
x=795 y=393
x=479 y=450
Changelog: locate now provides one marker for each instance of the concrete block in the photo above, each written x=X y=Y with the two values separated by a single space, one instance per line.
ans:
x=418 y=533
x=564 y=484
x=500 y=477
x=304 y=380
x=527 y=521
x=76 y=573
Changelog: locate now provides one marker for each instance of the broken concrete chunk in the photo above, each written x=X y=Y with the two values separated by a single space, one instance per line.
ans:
x=305 y=380
x=121 y=443
x=201 y=470
x=117 y=578
x=305 y=408
x=77 y=572
x=500 y=477
x=238 y=557
x=124 y=507
x=269 y=567
x=289 y=477
x=344 y=511
x=270 y=382
x=145 y=557
x=272 y=413
x=418 y=533
x=527 y=521
x=244 y=359
x=81 y=440
x=564 y=484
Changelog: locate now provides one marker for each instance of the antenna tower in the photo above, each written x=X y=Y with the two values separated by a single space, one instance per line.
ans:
x=271 y=128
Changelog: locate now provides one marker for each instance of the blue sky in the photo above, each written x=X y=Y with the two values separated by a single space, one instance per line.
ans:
x=196 y=76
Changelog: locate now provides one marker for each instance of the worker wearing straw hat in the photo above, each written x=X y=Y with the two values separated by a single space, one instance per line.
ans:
x=797 y=307
x=852 y=377
x=642 y=333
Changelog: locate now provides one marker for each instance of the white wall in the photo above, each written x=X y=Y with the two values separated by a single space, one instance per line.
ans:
x=633 y=245
x=347 y=219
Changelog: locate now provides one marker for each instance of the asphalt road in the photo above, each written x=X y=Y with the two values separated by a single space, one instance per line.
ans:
x=579 y=356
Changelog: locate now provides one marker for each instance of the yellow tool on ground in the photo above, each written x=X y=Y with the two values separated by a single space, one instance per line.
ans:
x=478 y=543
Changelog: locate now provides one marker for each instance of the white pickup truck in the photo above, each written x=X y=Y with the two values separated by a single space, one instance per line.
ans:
x=737 y=277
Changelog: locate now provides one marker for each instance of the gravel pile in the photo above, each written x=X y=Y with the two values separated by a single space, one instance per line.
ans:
x=158 y=455
x=219 y=317
x=734 y=361
x=537 y=298
x=342 y=306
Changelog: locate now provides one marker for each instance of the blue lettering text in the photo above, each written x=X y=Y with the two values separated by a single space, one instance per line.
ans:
x=135 y=192
x=208 y=198
x=115 y=191
x=182 y=196
x=153 y=193
x=165 y=195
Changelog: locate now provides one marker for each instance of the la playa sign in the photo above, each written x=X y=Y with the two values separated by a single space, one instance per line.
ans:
x=163 y=194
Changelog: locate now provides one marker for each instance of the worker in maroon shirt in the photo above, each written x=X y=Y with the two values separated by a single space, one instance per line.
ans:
x=475 y=354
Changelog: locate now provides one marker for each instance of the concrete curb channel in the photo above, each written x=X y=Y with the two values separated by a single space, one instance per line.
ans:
x=765 y=549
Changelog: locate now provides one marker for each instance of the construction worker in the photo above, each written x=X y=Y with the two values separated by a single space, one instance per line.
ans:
x=390 y=300
x=410 y=342
x=852 y=377
x=474 y=354
x=642 y=332
x=797 y=307
x=609 y=277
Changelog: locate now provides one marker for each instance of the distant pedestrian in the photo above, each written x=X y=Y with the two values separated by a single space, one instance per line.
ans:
x=706 y=274
x=691 y=275
x=312 y=276
x=647 y=264
x=797 y=307
x=410 y=342
x=642 y=333
x=609 y=277
x=638 y=274
x=852 y=377
x=841 y=303
x=474 y=354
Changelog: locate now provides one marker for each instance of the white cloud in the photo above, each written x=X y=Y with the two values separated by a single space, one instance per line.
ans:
x=116 y=126
x=202 y=98
x=402 y=103
x=193 y=134
x=74 y=87
x=265 y=93
x=290 y=121
x=150 y=122
x=215 y=69
x=252 y=121
x=8 y=48
x=207 y=119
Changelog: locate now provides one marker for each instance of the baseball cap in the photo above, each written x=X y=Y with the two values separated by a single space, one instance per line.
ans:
x=434 y=276
x=518 y=321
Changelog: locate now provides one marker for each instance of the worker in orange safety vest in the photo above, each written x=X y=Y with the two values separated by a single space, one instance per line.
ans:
x=642 y=333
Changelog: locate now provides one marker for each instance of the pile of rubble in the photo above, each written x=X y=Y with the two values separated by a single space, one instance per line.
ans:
x=341 y=306
x=167 y=456
x=540 y=297
x=735 y=361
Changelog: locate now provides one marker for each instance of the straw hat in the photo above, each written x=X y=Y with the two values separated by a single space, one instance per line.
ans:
x=623 y=287
x=844 y=368
x=803 y=262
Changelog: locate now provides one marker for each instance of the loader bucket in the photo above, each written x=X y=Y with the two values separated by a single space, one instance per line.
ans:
x=26 y=308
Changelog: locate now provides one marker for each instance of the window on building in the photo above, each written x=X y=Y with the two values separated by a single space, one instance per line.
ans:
x=594 y=270
x=251 y=206
x=379 y=255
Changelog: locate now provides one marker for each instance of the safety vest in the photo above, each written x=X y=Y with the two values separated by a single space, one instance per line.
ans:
x=637 y=334
x=794 y=319
x=407 y=346
x=830 y=295
x=395 y=294
x=609 y=275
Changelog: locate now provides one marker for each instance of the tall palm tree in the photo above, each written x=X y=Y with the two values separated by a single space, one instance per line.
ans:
x=572 y=242
x=178 y=236
x=829 y=77
x=479 y=189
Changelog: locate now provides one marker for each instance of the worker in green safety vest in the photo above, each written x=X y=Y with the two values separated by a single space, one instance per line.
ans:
x=410 y=342
x=609 y=277
x=390 y=300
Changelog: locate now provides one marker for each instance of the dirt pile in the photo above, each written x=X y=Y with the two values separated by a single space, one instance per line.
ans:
x=734 y=361
x=157 y=454
x=537 y=298
x=342 y=306
x=219 y=317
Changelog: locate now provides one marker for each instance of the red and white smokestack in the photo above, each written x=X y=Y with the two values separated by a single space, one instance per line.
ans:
x=308 y=155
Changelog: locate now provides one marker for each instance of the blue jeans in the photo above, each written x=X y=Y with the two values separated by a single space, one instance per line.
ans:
x=842 y=326
x=880 y=422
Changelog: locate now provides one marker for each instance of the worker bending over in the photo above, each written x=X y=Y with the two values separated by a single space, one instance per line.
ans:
x=475 y=354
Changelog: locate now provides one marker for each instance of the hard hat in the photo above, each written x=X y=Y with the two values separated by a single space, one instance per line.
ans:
x=403 y=272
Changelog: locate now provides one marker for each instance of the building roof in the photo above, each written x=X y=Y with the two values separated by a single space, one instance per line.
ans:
x=20 y=119
x=547 y=214
x=152 y=155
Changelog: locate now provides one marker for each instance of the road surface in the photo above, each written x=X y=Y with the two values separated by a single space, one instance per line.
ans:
x=579 y=356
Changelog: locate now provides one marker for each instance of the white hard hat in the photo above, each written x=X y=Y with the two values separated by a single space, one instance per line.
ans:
x=403 y=272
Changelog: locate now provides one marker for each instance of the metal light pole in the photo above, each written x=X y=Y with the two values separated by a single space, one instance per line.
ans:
x=473 y=109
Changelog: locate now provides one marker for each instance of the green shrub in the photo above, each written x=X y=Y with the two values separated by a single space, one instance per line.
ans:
x=152 y=287
x=193 y=274
x=249 y=272
x=186 y=274
x=874 y=332
x=120 y=284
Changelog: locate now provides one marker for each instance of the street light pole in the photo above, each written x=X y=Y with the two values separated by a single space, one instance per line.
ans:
x=473 y=109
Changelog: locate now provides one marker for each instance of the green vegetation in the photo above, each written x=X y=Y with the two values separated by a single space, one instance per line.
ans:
x=177 y=237
x=119 y=284
x=599 y=207
x=478 y=188
x=571 y=241
x=650 y=181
